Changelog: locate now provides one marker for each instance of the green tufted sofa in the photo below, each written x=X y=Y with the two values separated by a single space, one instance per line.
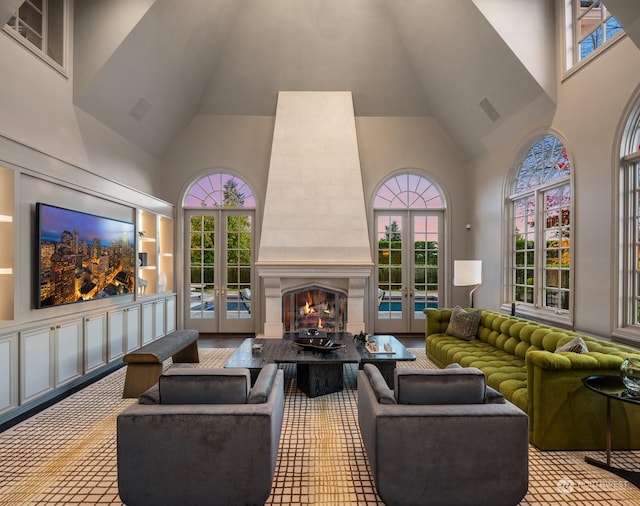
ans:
x=518 y=358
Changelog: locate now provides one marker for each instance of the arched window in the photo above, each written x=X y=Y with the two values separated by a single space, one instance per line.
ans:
x=408 y=213
x=628 y=317
x=219 y=189
x=540 y=230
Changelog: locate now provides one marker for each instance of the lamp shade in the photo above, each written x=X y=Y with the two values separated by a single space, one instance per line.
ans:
x=467 y=272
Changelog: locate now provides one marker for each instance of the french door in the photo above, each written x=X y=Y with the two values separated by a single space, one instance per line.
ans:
x=408 y=265
x=219 y=274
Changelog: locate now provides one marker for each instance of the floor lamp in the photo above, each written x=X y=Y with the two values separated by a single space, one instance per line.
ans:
x=467 y=273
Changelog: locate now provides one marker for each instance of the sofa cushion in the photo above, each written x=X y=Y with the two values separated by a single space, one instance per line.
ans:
x=576 y=345
x=464 y=324
x=261 y=389
x=384 y=394
x=465 y=385
x=204 y=386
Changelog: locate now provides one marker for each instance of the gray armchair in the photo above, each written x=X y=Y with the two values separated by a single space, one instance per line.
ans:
x=202 y=437
x=442 y=437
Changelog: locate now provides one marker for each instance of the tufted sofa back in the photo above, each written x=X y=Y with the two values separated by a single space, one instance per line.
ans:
x=517 y=336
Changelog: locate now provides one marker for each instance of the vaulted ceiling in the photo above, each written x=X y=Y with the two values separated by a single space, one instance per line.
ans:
x=146 y=68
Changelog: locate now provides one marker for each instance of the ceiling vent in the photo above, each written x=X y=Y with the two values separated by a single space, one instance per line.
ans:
x=139 y=110
x=489 y=109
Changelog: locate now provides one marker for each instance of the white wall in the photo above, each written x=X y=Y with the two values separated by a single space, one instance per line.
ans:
x=591 y=107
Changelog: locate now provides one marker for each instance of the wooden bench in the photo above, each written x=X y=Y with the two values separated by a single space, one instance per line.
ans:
x=144 y=365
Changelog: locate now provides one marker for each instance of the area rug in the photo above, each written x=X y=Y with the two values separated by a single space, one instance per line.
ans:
x=66 y=454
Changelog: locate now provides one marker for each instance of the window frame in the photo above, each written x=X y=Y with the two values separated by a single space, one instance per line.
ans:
x=571 y=17
x=41 y=53
x=537 y=309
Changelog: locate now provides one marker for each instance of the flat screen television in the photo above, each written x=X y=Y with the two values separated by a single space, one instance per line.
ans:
x=82 y=256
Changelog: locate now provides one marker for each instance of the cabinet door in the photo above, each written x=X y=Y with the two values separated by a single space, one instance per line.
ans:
x=36 y=365
x=116 y=334
x=147 y=322
x=158 y=318
x=68 y=351
x=170 y=310
x=8 y=372
x=132 y=327
x=95 y=342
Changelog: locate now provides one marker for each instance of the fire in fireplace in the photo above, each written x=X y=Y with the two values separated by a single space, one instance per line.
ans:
x=314 y=308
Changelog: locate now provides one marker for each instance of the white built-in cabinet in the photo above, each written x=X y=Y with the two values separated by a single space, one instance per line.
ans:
x=36 y=364
x=123 y=329
x=39 y=360
x=50 y=357
x=170 y=314
x=153 y=320
x=95 y=342
x=67 y=338
x=8 y=372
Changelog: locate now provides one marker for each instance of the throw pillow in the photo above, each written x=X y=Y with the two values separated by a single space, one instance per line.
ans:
x=464 y=324
x=576 y=345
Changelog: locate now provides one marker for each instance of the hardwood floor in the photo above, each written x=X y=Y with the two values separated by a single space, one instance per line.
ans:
x=234 y=340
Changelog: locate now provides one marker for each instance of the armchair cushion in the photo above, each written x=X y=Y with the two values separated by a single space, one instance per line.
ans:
x=204 y=386
x=383 y=393
x=464 y=324
x=466 y=385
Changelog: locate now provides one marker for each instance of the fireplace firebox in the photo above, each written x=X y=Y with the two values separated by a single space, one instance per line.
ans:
x=314 y=308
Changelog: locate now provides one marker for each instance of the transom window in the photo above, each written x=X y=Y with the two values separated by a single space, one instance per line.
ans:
x=219 y=190
x=39 y=25
x=590 y=27
x=408 y=191
x=540 y=273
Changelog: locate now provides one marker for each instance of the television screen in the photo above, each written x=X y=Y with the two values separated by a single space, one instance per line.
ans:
x=82 y=256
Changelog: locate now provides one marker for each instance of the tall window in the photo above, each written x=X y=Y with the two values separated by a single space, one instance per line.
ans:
x=629 y=314
x=590 y=28
x=540 y=271
x=39 y=25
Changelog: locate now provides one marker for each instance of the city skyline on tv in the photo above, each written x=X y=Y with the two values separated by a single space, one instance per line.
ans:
x=82 y=256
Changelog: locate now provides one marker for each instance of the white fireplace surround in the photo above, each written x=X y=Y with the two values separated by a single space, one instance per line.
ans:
x=278 y=279
x=314 y=229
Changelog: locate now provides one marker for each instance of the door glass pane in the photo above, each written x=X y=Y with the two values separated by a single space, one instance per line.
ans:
x=202 y=267
x=389 y=253
x=238 y=283
x=425 y=277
